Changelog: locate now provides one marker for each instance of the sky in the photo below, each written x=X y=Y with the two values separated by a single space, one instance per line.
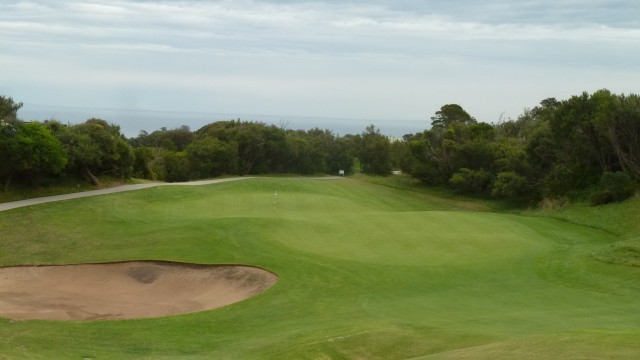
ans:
x=383 y=62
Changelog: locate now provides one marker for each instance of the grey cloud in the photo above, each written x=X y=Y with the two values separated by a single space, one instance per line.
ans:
x=321 y=56
x=319 y=27
x=616 y=13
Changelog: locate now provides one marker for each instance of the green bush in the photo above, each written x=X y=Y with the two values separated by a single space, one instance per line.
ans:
x=471 y=181
x=508 y=185
x=559 y=181
x=614 y=187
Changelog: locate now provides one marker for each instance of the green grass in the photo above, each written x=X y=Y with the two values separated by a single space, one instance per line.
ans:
x=367 y=271
x=621 y=219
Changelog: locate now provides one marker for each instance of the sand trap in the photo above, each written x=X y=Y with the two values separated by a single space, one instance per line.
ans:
x=126 y=290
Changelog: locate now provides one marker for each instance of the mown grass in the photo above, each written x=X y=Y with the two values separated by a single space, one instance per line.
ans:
x=367 y=271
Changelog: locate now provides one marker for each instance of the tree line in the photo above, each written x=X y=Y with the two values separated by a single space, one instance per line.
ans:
x=35 y=151
x=589 y=143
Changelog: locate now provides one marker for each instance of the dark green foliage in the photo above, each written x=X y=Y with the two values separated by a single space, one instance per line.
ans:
x=400 y=155
x=561 y=180
x=96 y=147
x=474 y=154
x=40 y=151
x=613 y=187
x=623 y=131
x=307 y=155
x=8 y=109
x=238 y=148
x=234 y=147
x=144 y=156
x=260 y=148
x=30 y=152
x=557 y=149
x=340 y=156
x=211 y=157
x=176 y=167
x=374 y=152
x=430 y=157
x=471 y=181
x=508 y=184
x=172 y=140
x=451 y=114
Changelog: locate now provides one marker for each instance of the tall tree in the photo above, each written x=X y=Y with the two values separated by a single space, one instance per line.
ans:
x=8 y=109
x=97 y=147
x=451 y=114
x=374 y=152
x=623 y=132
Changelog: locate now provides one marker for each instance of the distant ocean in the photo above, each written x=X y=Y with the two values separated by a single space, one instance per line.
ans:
x=131 y=122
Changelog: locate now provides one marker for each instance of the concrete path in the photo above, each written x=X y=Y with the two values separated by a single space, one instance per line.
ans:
x=117 y=189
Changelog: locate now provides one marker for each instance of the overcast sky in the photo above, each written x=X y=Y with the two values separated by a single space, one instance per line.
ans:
x=375 y=60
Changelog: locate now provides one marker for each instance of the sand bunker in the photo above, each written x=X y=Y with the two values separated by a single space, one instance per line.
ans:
x=126 y=290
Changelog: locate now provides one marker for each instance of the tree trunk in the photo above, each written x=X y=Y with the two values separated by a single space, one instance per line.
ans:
x=92 y=178
x=629 y=155
x=8 y=182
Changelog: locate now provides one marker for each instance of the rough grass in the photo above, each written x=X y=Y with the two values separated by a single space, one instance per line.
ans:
x=621 y=219
x=367 y=271
x=57 y=186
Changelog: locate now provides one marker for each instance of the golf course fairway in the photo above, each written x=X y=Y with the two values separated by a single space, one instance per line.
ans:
x=365 y=271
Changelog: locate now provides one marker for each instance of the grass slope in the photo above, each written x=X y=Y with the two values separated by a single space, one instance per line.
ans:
x=620 y=219
x=366 y=272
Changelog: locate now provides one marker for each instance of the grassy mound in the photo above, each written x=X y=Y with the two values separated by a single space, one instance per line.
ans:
x=365 y=271
x=620 y=219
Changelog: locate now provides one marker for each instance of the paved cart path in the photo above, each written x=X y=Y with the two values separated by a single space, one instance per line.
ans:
x=117 y=189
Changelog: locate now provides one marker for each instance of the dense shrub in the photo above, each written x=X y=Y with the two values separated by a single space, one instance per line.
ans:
x=470 y=181
x=614 y=186
x=142 y=168
x=508 y=184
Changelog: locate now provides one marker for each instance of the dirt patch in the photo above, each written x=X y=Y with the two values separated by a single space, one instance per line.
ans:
x=125 y=290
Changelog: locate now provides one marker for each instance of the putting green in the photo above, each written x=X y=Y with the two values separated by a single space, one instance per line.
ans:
x=365 y=271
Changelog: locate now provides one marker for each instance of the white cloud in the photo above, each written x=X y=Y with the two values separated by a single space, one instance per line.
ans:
x=260 y=24
x=324 y=58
